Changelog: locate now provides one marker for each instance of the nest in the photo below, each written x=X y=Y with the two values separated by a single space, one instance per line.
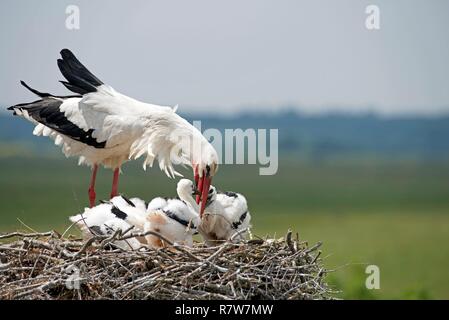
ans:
x=49 y=266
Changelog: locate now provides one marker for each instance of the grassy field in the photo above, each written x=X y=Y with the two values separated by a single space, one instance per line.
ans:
x=391 y=214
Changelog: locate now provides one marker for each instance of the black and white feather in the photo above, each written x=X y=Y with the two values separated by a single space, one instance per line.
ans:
x=106 y=219
x=173 y=219
x=226 y=213
x=102 y=126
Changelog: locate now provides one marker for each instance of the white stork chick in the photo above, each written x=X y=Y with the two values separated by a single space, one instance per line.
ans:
x=225 y=214
x=139 y=203
x=105 y=219
x=104 y=127
x=174 y=219
x=157 y=203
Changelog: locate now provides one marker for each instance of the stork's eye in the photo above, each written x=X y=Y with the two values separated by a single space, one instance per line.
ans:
x=211 y=190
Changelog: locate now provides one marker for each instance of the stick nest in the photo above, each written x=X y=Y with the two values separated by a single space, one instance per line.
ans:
x=48 y=266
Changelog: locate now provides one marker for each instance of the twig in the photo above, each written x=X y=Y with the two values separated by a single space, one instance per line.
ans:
x=257 y=269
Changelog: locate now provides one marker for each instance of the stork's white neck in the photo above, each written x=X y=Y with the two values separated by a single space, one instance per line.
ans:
x=186 y=196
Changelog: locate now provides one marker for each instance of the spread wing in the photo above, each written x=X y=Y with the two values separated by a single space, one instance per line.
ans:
x=100 y=117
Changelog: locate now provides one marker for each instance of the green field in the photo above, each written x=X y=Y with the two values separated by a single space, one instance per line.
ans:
x=391 y=214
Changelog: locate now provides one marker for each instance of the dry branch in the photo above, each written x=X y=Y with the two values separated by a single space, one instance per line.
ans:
x=47 y=266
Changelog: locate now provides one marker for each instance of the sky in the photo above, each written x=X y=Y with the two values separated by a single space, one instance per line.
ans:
x=232 y=56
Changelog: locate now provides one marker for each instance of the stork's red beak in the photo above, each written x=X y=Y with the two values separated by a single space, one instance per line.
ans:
x=196 y=176
x=199 y=185
x=207 y=180
x=203 y=185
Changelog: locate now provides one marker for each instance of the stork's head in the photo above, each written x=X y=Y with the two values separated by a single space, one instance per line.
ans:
x=203 y=171
x=186 y=189
x=212 y=195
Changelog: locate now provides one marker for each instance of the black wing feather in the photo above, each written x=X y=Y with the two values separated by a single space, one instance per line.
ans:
x=47 y=112
x=118 y=213
x=38 y=93
x=128 y=201
x=80 y=79
x=41 y=94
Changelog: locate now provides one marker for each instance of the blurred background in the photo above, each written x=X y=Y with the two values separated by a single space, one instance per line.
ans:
x=363 y=119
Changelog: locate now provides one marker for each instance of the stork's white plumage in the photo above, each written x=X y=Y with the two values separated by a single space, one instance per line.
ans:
x=102 y=126
x=105 y=219
x=139 y=204
x=225 y=214
x=157 y=203
x=175 y=221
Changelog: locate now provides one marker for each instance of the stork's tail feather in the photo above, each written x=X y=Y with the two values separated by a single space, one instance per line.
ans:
x=79 y=78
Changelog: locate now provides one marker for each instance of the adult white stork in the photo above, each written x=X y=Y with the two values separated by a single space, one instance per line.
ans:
x=102 y=126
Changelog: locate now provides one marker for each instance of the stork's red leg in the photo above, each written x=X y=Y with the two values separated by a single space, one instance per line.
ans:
x=91 y=191
x=114 y=191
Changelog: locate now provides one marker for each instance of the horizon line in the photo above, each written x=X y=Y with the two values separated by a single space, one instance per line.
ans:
x=299 y=112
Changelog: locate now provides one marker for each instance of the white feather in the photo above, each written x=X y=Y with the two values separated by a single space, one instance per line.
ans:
x=101 y=218
x=220 y=215
x=131 y=129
